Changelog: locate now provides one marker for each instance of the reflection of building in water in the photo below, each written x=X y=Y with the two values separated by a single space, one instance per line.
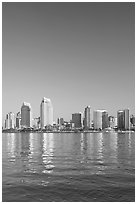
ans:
x=90 y=142
x=113 y=146
x=25 y=144
x=12 y=145
x=83 y=144
x=35 y=144
x=100 y=145
x=47 y=156
x=34 y=155
x=32 y=144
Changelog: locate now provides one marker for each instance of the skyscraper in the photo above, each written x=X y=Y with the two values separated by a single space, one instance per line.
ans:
x=10 y=121
x=123 y=119
x=26 y=115
x=46 y=113
x=87 y=117
x=7 y=121
x=76 y=119
x=18 y=120
x=100 y=119
x=60 y=121
x=127 y=119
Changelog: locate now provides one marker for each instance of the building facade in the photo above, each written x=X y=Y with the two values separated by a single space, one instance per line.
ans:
x=100 y=119
x=10 y=121
x=26 y=115
x=76 y=119
x=87 y=121
x=123 y=122
x=46 y=113
x=60 y=121
x=36 y=123
x=132 y=120
x=18 y=120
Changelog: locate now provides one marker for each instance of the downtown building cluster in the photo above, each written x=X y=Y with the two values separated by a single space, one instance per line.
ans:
x=101 y=120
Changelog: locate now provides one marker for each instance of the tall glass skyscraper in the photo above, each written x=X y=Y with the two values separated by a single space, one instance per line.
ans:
x=18 y=120
x=10 y=121
x=100 y=119
x=87 y=117
x=26 y=115
x=46 y=113
x=123 y=119
x=76 y=119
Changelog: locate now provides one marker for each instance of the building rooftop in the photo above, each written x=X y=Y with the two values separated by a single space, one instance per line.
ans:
x=46 y=99
x=26 y=104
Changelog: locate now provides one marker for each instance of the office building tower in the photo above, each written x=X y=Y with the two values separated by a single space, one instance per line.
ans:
x=111 y=121
x=100 y=119
x=127 y=119
x=10 y=121
x=76 y=119
x=60 y=121
x=26 y=115
x=36 y=123
x=7 y=121
x=115 y=122
x=132 y=120
x=18 y=120
x=46 y=113
x=86 y=122
x=123 y=119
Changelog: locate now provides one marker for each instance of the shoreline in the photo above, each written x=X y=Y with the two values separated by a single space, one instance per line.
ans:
x=76 y=131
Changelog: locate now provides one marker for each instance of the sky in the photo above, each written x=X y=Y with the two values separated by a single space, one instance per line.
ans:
x=76 y=54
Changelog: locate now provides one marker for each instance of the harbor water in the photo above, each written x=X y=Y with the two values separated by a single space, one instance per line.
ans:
x=66 y=167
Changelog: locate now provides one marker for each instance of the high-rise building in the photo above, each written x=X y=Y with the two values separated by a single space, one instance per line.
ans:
x=87 y=118
x=60 y=121
x=76 y=119
x=36 y=122
x=132 y=120
x=115 y=122
x=10 y=121
x=7 y=121
x=46 y=113
x=111 y=121
x=100 y=119
x=18 y=120
x=127 y=119
x=26 y=115
x=123 y=119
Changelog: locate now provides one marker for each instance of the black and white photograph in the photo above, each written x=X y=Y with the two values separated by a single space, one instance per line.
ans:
x=68 y=101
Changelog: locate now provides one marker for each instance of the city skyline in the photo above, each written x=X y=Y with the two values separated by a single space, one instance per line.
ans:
x=76 y=54
x=46 y=113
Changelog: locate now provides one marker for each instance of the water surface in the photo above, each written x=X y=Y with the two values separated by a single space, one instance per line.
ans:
x=78 y=167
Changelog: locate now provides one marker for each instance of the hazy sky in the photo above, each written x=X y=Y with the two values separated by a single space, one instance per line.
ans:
x=76 y=54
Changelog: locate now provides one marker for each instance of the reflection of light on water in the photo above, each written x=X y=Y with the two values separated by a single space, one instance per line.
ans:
x=31 y=144
x=100 y=147
x=113 y=144
x=129 y=142
x=82 y=143
x=47 y=156
x=101 y=167
x=12 y=146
